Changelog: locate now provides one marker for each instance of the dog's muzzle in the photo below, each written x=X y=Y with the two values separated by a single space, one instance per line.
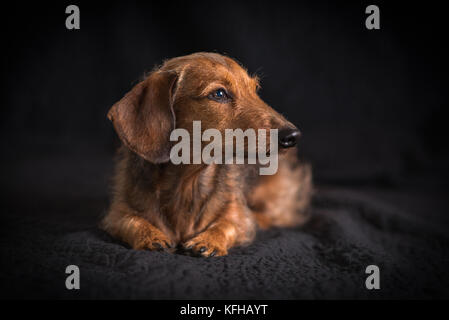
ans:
x=288 y=137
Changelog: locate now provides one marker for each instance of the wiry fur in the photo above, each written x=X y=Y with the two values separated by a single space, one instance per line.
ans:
x=204 y=209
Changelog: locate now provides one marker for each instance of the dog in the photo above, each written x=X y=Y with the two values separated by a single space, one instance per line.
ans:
x=199 y=209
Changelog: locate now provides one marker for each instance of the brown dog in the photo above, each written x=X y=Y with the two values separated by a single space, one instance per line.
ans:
x=202 y=209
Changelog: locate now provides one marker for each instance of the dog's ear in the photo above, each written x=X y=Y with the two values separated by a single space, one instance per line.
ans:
x=144 y=117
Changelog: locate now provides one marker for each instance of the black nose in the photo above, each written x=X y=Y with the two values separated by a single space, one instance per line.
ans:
x=288 y=137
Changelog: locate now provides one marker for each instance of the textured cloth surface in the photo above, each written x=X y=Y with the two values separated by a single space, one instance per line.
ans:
x=350 y=230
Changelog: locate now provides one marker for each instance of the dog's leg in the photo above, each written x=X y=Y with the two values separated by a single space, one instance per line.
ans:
x=282 y=200
x=135 y=231
x=234 y=226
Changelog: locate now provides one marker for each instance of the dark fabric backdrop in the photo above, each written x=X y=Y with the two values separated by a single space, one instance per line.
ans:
x=371 y=104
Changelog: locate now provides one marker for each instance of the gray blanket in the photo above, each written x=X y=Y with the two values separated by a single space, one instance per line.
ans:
x=400 y=232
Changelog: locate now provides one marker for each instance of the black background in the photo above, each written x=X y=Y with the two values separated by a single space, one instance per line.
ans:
x=370 y=103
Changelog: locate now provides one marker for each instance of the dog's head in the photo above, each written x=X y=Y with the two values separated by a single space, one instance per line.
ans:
x=208 y=87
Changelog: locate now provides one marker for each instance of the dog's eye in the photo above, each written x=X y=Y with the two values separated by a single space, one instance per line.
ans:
x=219 y=95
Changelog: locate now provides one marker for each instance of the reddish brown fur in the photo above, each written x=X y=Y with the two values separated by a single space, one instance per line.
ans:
x=205 y=209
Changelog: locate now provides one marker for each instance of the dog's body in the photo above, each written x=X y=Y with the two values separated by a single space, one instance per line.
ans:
x=203 y=208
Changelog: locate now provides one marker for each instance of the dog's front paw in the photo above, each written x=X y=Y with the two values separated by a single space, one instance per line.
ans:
x=153 y=240
x=206 y=244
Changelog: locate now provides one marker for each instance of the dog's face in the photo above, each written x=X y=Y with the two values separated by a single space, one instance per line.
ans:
x=208 y=87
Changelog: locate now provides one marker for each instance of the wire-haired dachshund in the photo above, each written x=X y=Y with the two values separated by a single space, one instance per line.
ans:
x=201 y=209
